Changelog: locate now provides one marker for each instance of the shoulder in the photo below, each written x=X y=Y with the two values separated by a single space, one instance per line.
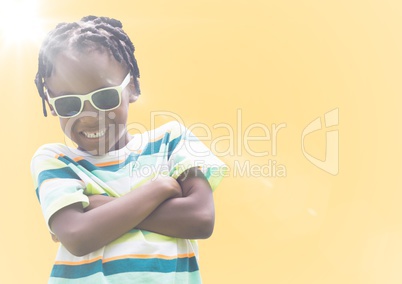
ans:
x=173 y=127
x=171 y=134
x=169 y=131
x=50 y=153
x=49 y=150
x=45 y=158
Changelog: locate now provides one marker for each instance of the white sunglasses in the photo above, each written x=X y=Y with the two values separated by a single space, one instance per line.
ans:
x=103 y=99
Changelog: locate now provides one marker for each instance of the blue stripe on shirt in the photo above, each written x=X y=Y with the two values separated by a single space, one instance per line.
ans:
x=124 y=266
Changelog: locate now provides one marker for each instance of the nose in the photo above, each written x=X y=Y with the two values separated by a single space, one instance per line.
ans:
x=89 y=114
x=88 y=107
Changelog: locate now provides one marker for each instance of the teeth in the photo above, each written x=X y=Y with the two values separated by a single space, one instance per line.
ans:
x=94 y=134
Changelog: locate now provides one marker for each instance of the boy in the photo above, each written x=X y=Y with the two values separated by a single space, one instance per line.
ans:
x=115 y=223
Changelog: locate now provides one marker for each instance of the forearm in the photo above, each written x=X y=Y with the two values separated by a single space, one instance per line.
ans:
x=83 y=232
x=191 y=216
x=181 y=218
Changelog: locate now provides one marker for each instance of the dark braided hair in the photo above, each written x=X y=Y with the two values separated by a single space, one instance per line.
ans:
x=89 y=32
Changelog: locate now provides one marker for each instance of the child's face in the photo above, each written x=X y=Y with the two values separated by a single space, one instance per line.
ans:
x=95 y=131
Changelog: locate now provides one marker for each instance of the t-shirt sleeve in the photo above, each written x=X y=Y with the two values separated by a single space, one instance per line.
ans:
x=187 y=151
x=56 y=184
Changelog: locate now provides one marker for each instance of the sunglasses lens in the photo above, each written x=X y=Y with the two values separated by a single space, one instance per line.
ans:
x=106 y=99
x=67 y=106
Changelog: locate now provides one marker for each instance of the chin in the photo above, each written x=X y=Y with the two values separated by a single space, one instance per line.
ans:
x=96 y=150
x=98 y=147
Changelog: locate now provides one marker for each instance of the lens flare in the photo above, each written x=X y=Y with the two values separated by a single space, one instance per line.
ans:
x=19 y=22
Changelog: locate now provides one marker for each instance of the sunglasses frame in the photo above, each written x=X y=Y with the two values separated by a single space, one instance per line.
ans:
x=88 y=97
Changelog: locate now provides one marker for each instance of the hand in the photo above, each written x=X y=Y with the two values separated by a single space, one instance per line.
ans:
x=169 y=184
x=54 y=238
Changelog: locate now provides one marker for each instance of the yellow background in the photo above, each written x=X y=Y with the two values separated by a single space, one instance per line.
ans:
x=277 y=62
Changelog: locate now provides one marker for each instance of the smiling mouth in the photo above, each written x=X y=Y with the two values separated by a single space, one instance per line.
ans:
x=94 y=134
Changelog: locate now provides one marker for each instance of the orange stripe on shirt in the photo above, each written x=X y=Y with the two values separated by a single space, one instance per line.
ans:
x=78 y=262
x=144 y=256
x=77 y=159
x=109 y=163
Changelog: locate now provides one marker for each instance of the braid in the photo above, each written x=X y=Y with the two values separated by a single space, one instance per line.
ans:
x=89 y=32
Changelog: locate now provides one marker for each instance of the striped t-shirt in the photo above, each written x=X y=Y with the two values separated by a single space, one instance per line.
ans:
x=63 y=176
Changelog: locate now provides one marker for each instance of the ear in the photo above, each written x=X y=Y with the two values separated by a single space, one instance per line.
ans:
x=133 y=91
x=47 y=102
x=51 y=108
x=133 y=97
